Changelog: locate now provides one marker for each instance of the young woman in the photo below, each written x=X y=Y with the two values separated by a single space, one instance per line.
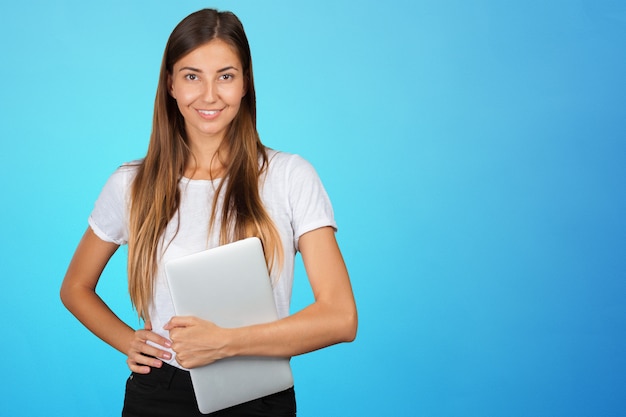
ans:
x=207 y=180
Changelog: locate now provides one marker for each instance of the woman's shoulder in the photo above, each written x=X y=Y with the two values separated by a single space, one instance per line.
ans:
x=290 y=171
x=128 y=168
x=124 y=174
x=286 y=162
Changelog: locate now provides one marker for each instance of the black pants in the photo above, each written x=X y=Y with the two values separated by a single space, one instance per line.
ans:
x=167 y=392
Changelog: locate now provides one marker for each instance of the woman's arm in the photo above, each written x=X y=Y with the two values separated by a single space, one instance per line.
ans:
x=330 y=319
x=78 y=293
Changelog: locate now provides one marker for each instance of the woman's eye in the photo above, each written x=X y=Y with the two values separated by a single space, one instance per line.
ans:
x=191 y=77
x=226 y=77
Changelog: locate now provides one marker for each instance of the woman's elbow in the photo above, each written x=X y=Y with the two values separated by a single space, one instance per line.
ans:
x=65 y=296
x=69 y=296
x=350 y=325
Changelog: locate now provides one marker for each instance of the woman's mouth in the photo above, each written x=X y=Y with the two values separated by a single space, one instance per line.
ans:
x=208 y=114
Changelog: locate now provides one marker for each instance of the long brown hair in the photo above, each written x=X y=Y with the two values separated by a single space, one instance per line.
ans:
x=155 y=196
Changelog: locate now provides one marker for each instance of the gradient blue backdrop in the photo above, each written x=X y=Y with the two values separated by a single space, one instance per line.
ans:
x=475 y=154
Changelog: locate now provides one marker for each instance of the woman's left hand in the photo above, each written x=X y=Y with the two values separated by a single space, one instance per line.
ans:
x=196 y=342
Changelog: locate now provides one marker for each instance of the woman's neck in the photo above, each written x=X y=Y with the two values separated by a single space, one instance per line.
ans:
x=207 y=160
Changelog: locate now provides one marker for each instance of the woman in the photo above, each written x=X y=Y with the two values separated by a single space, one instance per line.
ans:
x=207 y=180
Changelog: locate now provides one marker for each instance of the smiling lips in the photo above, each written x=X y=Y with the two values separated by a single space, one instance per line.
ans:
x=209 y=114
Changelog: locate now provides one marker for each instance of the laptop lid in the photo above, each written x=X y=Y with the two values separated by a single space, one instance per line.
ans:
x=230 y=286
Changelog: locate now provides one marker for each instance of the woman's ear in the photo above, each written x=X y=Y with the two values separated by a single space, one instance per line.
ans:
x=170 y=85
x=246 y=81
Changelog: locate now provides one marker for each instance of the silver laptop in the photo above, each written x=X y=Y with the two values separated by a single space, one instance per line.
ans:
x=230 y=286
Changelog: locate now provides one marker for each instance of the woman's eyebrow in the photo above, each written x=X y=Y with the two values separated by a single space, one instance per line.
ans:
x=190 y=69
x=229 y=68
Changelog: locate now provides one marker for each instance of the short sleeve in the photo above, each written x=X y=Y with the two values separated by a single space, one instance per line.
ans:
x=309 y=202
x=109 y=218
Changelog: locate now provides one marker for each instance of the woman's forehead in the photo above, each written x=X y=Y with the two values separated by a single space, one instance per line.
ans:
x=212 y=55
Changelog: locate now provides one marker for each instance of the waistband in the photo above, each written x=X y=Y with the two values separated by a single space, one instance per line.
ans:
x=167 y=376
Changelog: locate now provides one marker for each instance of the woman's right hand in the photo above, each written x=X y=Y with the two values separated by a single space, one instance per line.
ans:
x=143 y=356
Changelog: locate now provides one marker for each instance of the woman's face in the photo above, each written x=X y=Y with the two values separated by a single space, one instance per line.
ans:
x=208 y=85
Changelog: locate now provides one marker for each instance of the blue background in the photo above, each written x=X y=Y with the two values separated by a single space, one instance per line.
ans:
x=475 y=154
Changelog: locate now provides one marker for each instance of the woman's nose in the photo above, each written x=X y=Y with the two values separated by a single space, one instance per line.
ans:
x=209 y=92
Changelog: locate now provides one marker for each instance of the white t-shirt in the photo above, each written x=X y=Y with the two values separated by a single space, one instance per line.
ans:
x=291 y=192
